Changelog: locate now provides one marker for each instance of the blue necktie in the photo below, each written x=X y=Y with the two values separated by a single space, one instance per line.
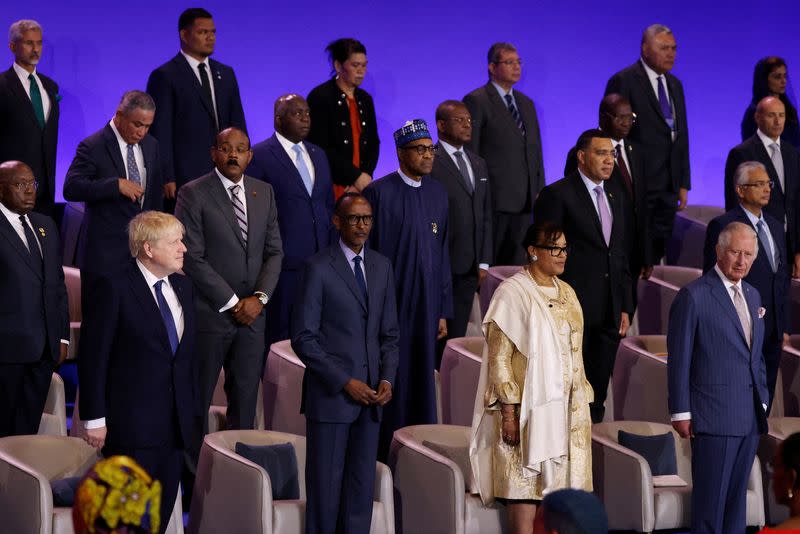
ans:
x=166 y=316
x=360 y=281
x=515 y=113
x=663 y=101
x=302 y=168
x=762 y=236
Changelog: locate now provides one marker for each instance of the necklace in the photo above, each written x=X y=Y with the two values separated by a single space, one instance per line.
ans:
x=558 y=299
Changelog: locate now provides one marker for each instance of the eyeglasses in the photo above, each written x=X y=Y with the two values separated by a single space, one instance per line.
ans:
x=461 y=120
x=228 y=150
x=509 y=62
x=623 y=119
x=422 y=149
x=555 y=251
x=355 y=220
x=760 y=185
x=22 y=187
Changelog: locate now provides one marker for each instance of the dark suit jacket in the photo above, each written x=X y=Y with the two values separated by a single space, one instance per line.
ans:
x=127 y=371
x=711 y=372
x=304 y=221
x=772 y=286
x=33 y=302
x=515 y=161
x=93 y=178
x=21 y=137
x=184 y=122
x=640 y=252
x=666 y=162
x=217 y=260
x=470 y=212
x=338 y=336
x=593 y=268
x=331 y=130
x=782 y=202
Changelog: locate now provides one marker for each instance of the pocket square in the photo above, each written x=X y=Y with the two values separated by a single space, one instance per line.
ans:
x=761 y=312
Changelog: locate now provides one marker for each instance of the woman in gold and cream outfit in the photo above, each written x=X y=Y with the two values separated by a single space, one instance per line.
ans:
x=531 y=429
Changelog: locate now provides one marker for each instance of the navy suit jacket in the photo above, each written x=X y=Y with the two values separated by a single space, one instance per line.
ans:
x=33 y=302
x=127 y=371
x=711 y=371
x=304 y=220
x=772 y=286
x=339 y=336
x=184 y=123
x=93 y=178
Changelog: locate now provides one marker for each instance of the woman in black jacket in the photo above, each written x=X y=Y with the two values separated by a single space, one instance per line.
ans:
x=770 y=79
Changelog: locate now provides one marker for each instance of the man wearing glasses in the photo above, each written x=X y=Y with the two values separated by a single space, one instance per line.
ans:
x=411 y=229
x=505 y=132
x=233 y=257
x=770 y=271
x=344 y=329
x=592 y=211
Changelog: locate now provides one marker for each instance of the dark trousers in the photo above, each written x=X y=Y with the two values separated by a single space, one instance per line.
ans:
x=772 y=358
x=662 y=206
x=508 y=232
x=720 y=469
x=600 y=343
x=464 y=287
x=23 y=392
x=340 y=474
x=279 y=308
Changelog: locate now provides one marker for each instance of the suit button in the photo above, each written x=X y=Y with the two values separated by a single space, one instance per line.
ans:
x=343 y=123
x=363 y=123
x=606 y=275
x=346 y=141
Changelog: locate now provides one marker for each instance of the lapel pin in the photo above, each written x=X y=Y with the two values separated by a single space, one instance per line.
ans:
x=42 y=232
x=435 y=228
x=254 y=193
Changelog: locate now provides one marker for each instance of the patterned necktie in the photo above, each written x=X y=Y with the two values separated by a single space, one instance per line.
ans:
x=302 y=168
x=33 y=244
x=360 y=281
x=605 y=215
x=462 y=168
x=663 y=101
x=36 y=100
x=238 y=210
x=166 y=316
x=741 y=311
x=515 y=113
x=206 y=83
x=777 y=162
x=623 y=169
x=762 y=236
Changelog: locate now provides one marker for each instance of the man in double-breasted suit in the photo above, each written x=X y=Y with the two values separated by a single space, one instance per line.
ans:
x=660 y=132
x=466 y=178
x=592 y=212
x=345 y=331
x=717 y=380
x=234 y=259
x=29 y=112
x=138 y=363
x=300 y=177
x=196 y=98
x=34 y=330
x=770 y=271
x=505 y=133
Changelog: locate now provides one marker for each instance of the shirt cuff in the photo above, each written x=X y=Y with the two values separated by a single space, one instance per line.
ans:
x=683 y=416
x=230 y=304
x=65 y=342
x=765 y=406
x=484 y=266
x=94 y=423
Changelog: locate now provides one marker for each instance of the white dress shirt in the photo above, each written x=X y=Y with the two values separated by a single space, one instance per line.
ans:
x=350 y=255
x=590 y=185
x=138 y=155
x=409 y=181
x=227 y=184
x=288 y=146
x=23 y=74
x=196 y=69
x=621 y=144
x=754 y=220
x=768 y=141
x=502 y=92
x=653 y=76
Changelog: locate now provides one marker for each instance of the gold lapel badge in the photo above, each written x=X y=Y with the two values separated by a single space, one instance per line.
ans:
x=42 y=232
x=435 y=228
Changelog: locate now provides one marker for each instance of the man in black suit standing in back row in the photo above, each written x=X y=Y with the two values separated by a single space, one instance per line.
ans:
x=196 y=97
x=466 y=178
x=505 y=133
x=660 y=130
x=29 y=112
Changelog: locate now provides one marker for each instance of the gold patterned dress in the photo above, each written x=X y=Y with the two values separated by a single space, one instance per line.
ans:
x=506 y=383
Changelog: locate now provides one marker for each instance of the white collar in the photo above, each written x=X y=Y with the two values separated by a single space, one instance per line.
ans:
x=590 y=184
x=502 y=91
x=227 y=184
x=409 y=181
x=768 y=140
x=753 y=218
x=12 y=215
x=22 y=73
x=194 y=63
x=149 y=277
x=450 y=149
x=726 y=282
x=348 y=252
x=653 y=75
x=122 y=142
x=288 y=145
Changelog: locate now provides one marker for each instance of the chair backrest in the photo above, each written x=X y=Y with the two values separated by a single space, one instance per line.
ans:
x=219 y=398
x=459 y=374
x=657 y=294
x=71 y=231
x=54 y=415
x=494 y=278
x=72 y=279
x=283 y=390
x=689 y=233
x=640 y=380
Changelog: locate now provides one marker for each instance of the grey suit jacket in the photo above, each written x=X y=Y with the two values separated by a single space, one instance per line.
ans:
x=217 y=260
x=515 y=161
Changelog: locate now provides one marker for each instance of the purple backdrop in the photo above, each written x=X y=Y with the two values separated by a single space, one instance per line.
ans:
x=420 y=54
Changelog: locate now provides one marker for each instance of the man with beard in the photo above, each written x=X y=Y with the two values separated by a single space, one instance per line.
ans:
x=233 y=258
x=410 y=228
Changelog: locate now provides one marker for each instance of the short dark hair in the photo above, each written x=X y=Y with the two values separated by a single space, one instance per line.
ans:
x=187 y=18
x=542 y=233
x=441 y=115
x=337 y=208
x=585 y=139
x=495 y=51
x=341 y=49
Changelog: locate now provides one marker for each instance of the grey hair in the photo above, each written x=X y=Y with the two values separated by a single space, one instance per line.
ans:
x=726 y=234
x=21 y=26
x=742 y=173
x=653 y=30
x=132 y=100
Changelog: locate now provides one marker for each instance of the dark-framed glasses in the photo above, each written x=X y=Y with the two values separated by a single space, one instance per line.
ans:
x=554 y=250
x=422 y=149
x=228 y=149
x=354 y=220
x=22 y=187
x=461 y=120
x=761 y=184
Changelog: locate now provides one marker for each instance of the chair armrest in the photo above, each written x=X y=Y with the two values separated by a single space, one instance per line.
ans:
x=74 y=339
x=26 y=500
x=384 y=493
x=623 y=481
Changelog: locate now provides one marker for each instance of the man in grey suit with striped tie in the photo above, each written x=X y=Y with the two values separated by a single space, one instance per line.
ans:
x=233 y=257
x=717 y=380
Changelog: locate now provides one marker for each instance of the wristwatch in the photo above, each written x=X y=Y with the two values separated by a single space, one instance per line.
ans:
x=262 y=297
